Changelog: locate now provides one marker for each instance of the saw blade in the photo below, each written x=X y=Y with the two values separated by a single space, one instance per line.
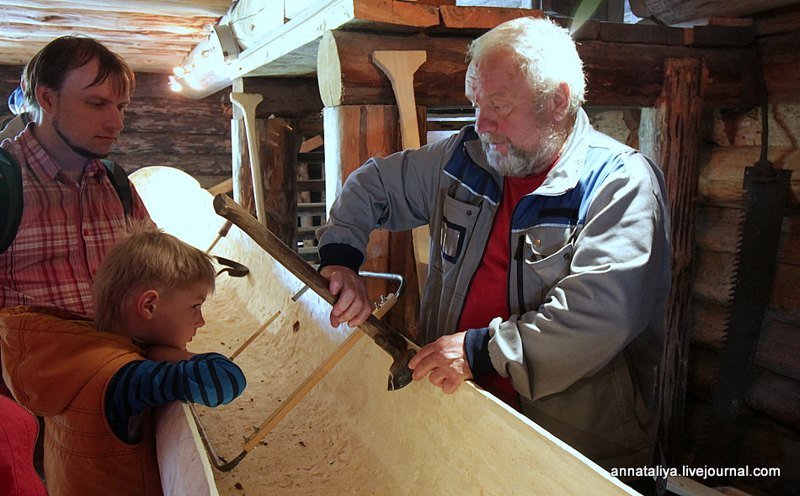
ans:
x=767 y=191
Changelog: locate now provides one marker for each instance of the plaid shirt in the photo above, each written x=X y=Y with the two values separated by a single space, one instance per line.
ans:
x=65 y=231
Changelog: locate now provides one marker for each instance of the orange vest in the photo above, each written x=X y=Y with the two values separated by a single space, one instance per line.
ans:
x=58 y=366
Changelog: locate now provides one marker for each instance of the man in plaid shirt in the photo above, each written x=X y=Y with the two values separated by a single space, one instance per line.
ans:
x=78 y=91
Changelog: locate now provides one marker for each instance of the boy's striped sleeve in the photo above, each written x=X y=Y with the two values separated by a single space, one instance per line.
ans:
x=210 y=379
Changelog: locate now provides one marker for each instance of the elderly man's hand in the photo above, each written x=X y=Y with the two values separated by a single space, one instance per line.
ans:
x=353 y=305
x=444 y=362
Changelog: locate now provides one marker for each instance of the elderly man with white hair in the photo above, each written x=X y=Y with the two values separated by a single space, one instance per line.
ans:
x=550 y=250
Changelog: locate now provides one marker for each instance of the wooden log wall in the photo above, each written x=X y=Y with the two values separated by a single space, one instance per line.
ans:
x=730 y=142
x=164 y=128
x=774 y=400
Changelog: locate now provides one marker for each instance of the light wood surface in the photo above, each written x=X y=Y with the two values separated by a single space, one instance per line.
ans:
x=349 y=435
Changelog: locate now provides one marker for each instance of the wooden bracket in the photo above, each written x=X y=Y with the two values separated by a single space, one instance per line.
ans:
x=400 y=66
x=247 y=103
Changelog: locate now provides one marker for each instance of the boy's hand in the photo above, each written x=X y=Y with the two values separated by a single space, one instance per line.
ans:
x=160 y=353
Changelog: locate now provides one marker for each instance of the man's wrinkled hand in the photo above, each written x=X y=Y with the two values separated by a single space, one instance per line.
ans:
x=353 y=305
x=444 y=362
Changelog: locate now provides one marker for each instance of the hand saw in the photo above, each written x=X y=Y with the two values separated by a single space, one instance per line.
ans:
x=767 y=192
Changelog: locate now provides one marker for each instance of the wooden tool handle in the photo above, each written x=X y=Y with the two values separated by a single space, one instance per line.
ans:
x=389 y=340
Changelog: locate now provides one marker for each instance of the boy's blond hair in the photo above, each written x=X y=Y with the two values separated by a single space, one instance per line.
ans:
x=147 y=259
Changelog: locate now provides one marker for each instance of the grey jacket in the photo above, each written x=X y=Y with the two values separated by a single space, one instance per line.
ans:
x=588 y=282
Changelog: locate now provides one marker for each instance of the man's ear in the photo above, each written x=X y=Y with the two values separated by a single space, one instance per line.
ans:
x=46 y=97
x=560 y=101
x=146 y=303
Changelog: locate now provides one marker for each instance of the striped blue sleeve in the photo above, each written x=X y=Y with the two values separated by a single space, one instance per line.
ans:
x=210 y=379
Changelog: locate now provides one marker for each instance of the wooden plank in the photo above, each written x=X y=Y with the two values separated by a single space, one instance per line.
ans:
x=181 y=456
x=311 y=144
x=225 y=187
x=150 y=36
x=677 y=11
x=211 y=8
x=781 y=64
x=684 y=486
x=352 y=135
x=285 y=96
x=644 y=33
x=460 y=17
x=396 y=12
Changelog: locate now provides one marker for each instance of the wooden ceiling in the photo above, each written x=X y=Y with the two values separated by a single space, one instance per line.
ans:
x=152 y=35
x=156 y=35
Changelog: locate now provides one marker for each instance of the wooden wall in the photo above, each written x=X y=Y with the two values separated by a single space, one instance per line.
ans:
x=772 y=423
x=731 y=141
x=164 y=128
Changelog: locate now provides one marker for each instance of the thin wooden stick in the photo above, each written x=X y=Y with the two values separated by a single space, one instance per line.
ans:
x=255 y=335
x=319 y=373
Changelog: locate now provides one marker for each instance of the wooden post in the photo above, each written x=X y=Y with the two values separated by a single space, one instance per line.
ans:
x=245 y=104
x=279 y=161
x=240 y=164
x=354 y=133
x=670 y=135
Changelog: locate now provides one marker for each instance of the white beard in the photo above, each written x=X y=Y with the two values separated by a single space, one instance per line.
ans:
x=521 y=163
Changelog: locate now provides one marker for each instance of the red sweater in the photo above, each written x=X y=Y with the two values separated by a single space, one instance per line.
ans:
x=488 y=292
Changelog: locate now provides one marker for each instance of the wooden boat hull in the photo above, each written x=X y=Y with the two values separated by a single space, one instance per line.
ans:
x=349 y=435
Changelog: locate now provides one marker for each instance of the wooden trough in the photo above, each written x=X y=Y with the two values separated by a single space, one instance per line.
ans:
x=349 y=435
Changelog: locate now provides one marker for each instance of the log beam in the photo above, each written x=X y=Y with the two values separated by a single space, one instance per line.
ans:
x=619 y=74
x=285 y=97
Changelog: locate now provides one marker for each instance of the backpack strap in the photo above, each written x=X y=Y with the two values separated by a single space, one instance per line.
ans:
x=10 y=199
x=119 y=179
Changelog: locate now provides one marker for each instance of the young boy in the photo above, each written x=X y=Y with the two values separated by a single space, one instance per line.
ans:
x=96 y=385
